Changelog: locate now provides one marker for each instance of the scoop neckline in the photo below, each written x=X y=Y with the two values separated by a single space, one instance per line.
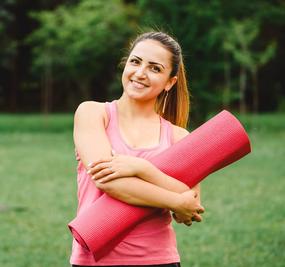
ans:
x=128 y=145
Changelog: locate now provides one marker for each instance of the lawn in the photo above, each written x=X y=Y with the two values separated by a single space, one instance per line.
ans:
x=244 y=222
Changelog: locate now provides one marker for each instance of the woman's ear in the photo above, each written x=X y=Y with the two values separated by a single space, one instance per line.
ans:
x=170 y=83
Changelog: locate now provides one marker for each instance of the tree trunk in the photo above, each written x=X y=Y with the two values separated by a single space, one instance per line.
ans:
x=227 y=85
x=47 y=83
x=255 y=90
x=84 y=85
x=14 y=86
x=242 y=88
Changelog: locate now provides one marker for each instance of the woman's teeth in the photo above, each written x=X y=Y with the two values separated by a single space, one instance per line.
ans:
x=138 y=85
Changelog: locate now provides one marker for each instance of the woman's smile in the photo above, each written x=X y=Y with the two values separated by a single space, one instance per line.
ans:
x=138 y=85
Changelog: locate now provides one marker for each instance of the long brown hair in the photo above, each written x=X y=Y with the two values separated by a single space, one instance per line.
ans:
x=178 y=101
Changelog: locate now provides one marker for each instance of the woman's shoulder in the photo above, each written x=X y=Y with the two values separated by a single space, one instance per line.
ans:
x=91 y=109
x=90 y=106
x=178 y=133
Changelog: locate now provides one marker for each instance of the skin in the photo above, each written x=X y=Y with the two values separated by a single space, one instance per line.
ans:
x=131 y=179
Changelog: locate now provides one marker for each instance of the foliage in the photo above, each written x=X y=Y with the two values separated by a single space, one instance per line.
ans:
x=205 y=30
x=73 y=46
x=239 y=37
x=82 y=41
x=7 y=45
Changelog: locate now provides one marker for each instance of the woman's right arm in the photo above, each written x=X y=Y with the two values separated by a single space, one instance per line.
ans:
x=89 y=134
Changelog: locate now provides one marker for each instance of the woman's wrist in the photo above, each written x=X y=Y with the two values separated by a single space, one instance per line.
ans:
x=175 y=202
x=146 y=170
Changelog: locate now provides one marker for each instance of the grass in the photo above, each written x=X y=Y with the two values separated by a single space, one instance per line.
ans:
x=37 y=197
x=54 y=123
x=244 y=223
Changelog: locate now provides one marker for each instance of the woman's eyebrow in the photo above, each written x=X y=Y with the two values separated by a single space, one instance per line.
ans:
x=138 y=57
x=150 y=62
x=156 y=63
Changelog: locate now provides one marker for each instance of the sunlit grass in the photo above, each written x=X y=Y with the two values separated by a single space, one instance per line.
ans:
x=244 y=222
x=37 y=197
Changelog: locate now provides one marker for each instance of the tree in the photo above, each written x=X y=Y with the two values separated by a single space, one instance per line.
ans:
x=81 y=43
x=239 y=41
x=8 y=50
x=7 y=45
x=190 y=22
x=205 y=31
x=256 y=61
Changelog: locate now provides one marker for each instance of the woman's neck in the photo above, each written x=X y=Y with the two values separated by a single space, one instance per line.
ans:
x=131 y=108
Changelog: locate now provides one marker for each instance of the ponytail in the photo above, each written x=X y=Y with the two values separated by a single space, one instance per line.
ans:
x=177 y=104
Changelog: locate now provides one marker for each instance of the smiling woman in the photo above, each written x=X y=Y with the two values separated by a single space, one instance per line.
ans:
x=147 y=71
x=114 y=142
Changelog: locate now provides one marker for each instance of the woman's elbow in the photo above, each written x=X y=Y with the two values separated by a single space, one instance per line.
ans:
x=105 y=187
x=114 y=191
x=108 y=188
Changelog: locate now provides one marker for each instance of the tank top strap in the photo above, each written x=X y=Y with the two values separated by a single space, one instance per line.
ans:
x=111 y=114
x=166 y=132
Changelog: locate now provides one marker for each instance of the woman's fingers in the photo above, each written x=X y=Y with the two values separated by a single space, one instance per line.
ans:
x=200 y=210
x=91 y=165
x=99 y=167
x=187 y=219
x=180 y=218
x=177 y=218
x=107 y=178
x=102 y=172
x=197 y=218
x=188 y=223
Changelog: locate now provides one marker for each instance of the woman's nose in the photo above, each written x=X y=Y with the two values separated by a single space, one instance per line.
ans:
x=140 y=72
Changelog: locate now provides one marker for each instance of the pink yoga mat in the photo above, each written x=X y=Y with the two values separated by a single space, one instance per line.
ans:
x=214 y=145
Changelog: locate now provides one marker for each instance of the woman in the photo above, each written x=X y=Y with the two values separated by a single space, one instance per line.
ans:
x=114 y=140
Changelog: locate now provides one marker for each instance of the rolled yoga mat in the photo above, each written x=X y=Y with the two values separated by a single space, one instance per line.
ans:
x=215 y=144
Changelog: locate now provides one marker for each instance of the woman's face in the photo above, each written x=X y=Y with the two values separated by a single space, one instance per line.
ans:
x=147 y=71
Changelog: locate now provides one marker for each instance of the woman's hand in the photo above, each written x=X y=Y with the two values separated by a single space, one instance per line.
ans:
x=116 y=166
x=188 y=209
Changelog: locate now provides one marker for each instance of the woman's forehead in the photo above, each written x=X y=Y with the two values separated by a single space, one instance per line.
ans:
x=152 y=51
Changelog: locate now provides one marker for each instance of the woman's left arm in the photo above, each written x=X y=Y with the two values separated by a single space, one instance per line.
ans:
x=123 y=166
x=128 y=166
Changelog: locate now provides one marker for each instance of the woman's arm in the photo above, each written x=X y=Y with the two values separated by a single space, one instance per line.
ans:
x=120 y=166
x=90 y=139
x=137 y=192
x=92 y=144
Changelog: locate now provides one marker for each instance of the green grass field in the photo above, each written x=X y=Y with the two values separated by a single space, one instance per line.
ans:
x=244 y=223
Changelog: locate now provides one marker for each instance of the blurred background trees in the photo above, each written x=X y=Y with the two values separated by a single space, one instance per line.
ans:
x=55 y=54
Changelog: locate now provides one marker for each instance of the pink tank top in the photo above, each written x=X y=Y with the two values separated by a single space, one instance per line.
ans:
x=153 y=240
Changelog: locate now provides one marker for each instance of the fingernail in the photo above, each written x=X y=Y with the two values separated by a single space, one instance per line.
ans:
x=90 y=164
x=93 y=177
x=89 y=171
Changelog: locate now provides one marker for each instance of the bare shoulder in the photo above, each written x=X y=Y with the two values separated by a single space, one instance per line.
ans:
x=179 y=133
x=91 y=110
x=90 y=106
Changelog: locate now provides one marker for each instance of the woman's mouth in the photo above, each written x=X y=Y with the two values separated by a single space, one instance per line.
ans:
x=138 y=85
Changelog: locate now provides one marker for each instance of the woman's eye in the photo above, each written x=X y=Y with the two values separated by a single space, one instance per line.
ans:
x=155 y=68
x=134 y=61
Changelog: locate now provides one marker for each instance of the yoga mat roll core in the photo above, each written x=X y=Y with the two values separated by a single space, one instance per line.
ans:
x=217 y=143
